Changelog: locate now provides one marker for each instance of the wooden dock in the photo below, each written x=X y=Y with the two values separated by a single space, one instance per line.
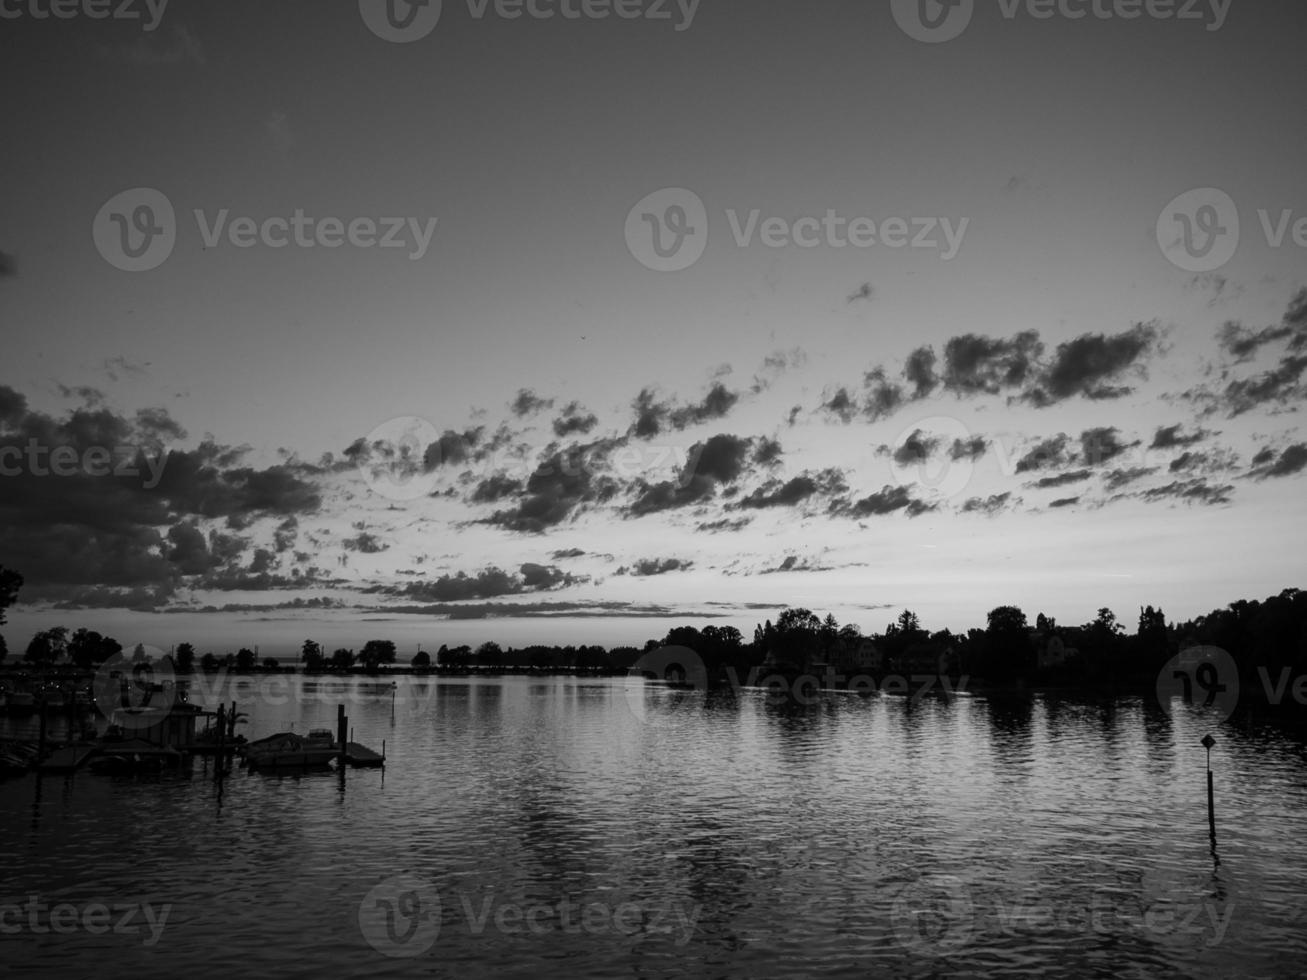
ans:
x=68 y=758
x=362 y=757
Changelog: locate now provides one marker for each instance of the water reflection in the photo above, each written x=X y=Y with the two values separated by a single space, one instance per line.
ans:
x=847 y=836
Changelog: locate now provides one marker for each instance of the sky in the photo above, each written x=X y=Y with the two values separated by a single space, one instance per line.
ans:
x=463 y=321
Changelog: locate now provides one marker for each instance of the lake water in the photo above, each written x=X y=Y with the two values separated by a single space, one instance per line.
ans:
x=531 y=827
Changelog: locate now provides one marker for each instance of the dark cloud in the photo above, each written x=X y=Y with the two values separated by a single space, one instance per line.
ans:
x=528 y=403
x=920 y=372
x=724 y=525
x=1084 y=365
x=365 y=543
x=1062 y=479
x=1046 y=454
x=988 y=505
x=486 y=584
x=864 y=292
x=496 y=488
x=1117 y=479
x=452 y=448
x=716 y=404
x=793 y=492
x=916 y=448
x=719 y=460
x=842 y=405
x=560 y=485
x=1264 y=456
x=1065 y=502
x=574 y=420
x=650 y=414
x=1100 y=445
x=887 y=500
x=1170 y=437
x=1275 y=387
x=647 y=567
x=1189 y=491
x=987 y=365
x=1243 y=344
x=1291 y=461
x=767 y=452
x=882 y=398
x=1189 y=461
x=567 y=553
x=972 y=448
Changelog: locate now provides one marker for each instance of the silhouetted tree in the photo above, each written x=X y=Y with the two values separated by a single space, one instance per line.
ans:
x=421 y=659
x=10 y=584
x=312 y=656
x=245 y=659
x=342 y=659
x=47 y=646
x=375 y=653
x=184 y=658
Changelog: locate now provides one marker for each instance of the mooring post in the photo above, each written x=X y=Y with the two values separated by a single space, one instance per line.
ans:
x=1207 y=743
x=221 y=761
x=341 y=729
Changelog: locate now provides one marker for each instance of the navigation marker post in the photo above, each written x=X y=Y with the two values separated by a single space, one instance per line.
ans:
x=1207 y=743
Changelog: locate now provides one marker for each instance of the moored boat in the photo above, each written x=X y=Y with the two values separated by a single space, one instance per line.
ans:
x=291 y=750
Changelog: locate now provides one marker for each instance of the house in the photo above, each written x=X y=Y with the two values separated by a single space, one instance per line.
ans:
x=166 y=718
x=859 y=657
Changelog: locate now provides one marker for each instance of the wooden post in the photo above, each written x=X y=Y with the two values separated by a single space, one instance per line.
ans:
x=342 y=728
x=221 y=761
x=1207 y=743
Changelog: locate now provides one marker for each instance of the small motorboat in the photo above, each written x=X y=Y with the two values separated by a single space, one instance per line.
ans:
x=291 y=750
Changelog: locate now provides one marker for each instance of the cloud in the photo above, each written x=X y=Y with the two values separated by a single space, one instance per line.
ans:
x=719 y=460
x=795 y=491
x=365 y=543
x=882 y=397
x=916 y=448
x=567 y=553
x=1062 y=479
x=1189 y=491
x=1084 y=365
x=1170 y=437
x=1100 y=445
x=887 y=500
x=647 y=567
x=865 y=292
x=1292 y=460
x=574 y=420
x=649 y=414
x=1243 y=344
x=496 y=488
x=527 y=403
x=988 y=505
x=842 y=405
x=560 y=485
x=489 y=583
x=920 y=372
x=1065 y=502
x=1117 y=479
x=728 y=525
x=716 y=404
x=976 y=365
x=1046 y=453
x=972 y=448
